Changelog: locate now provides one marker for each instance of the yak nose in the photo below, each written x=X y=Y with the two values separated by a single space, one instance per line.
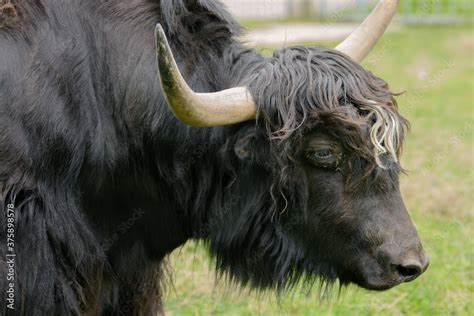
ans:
x=411 y=265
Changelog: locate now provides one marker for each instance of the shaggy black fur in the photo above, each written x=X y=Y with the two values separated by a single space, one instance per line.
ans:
x=104 y=180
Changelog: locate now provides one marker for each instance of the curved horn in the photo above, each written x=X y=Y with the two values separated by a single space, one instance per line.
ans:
x=362 y=40
x=199 y=109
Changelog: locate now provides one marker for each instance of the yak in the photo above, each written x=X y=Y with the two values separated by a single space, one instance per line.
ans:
x=130 y=127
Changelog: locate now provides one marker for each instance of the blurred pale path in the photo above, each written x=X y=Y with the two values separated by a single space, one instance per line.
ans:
x=283 y=34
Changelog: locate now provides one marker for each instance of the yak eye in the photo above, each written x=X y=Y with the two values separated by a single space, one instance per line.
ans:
x=324 y=158
x=322 y=154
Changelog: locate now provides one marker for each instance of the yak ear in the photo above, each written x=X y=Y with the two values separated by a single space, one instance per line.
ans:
x=246 y=145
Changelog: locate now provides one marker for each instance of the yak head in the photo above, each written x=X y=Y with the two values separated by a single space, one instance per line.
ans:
x=334 y=139
x=314 y=187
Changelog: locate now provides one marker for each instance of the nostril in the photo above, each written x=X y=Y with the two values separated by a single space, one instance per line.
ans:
x=409 y=271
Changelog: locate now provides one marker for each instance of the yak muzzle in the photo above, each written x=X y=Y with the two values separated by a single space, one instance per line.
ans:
x=391 y=267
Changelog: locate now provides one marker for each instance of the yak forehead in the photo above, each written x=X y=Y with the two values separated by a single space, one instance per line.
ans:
x=299 y=84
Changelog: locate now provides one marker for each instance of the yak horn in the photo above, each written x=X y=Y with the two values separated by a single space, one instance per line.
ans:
x=225 y=107
x=362 y=40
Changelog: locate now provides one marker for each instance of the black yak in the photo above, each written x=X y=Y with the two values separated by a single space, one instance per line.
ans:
x=286 y=167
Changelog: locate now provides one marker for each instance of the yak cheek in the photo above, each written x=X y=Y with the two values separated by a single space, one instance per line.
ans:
x=318 y=229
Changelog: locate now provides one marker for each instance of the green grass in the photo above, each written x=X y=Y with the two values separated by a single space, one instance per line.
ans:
x=462 y=9
x=435 y=67
x=424 y=7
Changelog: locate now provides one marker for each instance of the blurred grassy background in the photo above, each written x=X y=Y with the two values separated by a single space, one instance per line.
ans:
x=434 y=65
